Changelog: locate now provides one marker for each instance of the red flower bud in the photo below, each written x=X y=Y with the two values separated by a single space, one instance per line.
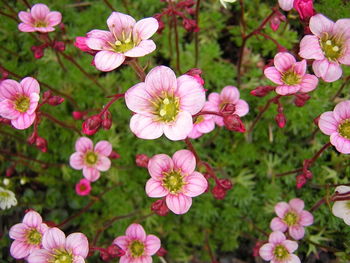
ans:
x=115 y=251
x=4 y=74
x=106 y=124
x=10 y=170
x=234 y=123
x=59 y=46
x=41 y=143
x=300 y=180
x=142 y=160
x=280 y=120
x=261 y=91
x=276 y=20
x=92 y=125
x=308 y=174
x=225 y=183
x=305 y=9
x=161 y=252
x=114 y=155
x=161 y=24
x=301 y=99
x=218 y=192
x=190 y=25
x=257 y=247
x=160 y=207
x=32 y=138
x=47 y=94
x=104 y=255
x=55 y=100
x=38 y=51
x=78 y=115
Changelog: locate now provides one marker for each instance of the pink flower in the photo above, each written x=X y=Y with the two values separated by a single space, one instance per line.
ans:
x=329 y=46
x=83 y=187
x=336 y=123
x=286 y=5
x=289 y=75
x=202 y=124
x=228 y=95
x=176 y=179
x=125 y=38
x=18 y=101
x=39 y=19
x=59 y=248
x=305 y=8
x=27 y=235
x=164 y=104
x=279 y=249
x=292 y=217
x=91 y=159
x=138 y=246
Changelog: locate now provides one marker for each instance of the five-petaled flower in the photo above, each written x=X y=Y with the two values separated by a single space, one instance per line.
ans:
x=61 y=249
x=329 y=46
x=336 y=123
x=279 y=249
x=176 y=179
x=228 y=95
x=125 y=38
x=18 y=101
x=27 y=235
x=341 y=209
x=291 y=216
x=164 y=104
x=137 y=245
x=91 y=159
x=39 y=19
x=290 y=76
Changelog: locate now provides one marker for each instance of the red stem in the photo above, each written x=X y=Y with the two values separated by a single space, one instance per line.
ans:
x=61 y=123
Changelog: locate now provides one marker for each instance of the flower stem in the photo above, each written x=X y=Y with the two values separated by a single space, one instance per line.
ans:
x=61 y=123
x=138 y=69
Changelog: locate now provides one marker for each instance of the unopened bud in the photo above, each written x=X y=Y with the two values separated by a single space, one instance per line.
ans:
x=78 y=115
x=225 y=183
x=32 y=138
x=301 y=99
x=190 y=25
x=47 y=94
x=5 y=121
x=106 y=124
x=261 y=91
x=10 y=171
x=59 y=46
x=91 y=125
x=300 y=180
x=234 y=123
x=55 y=100
x=161 y=252
x=41 y=143
x=115 y=251
x=114 y=155
x=280 y=120
x=218 y=192
x=142 y=160
x=160 y=207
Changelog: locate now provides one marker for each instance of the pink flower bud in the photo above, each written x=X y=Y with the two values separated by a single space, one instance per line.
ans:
x=32 y=138
x=300 y=180
x=197 y=74
x=275 y=21
x=261 y=91
x=78 y=115
x=59 y=46
x=161 y=252
x=160 y=207
x=47 y=94
x=218 y=192
x=114 y=155
x=234 y=123
x=225 y=183
x=280 y=120
x=106 y=124
x=92 y=125
x=38 y=51
x=80 y=42
x=308 y=174
x=301 y=99
x=305 y=8
x=190 y=25
x=104 y=255
x=83 y=187
x=142 y=160
x=41 y=143
x=228 y=109
x=115 y=251
x=55 y=100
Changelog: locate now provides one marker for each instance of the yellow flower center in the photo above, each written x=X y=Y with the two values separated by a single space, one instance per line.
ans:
x=344 y=129
x=137 y=248
x=91 y=158
x=123 y=43
x=332 y=46
x=280 y=252
x=291 y=218
x=22 y=103
x=166 y=107
x=40 y=24
x=291 y=78
x=199 y=119
x=33 y=236
x=173 y=181
x=61 y=256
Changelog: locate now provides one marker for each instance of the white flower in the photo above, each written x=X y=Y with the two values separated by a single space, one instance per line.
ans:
x=7 y=199
x=341 y=209
x=223 y=2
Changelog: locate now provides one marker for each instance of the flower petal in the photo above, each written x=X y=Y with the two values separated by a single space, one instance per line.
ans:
x=293 y=259
x=276 y=237
x=300 y=67
x=342 y=189
x=54 y=238
x=78 y=244
x=266 y=251
x=145 y=28
x=191 y=93
x=145 y=127
x=274 y=75
x=179 y=204
x=283 y=61
x=136 y=231
x=341 y=144
x=137 y=99
x=103 y=147
x=328 y=71
x=340 y=209
x=286 y=5
x=229 y=94
x=290 y=245
x=308 y=83
x=119 y=23
x=327 y=123
x=180 y=128
x=7 y=110
x=281 y=208
x=33 y=104
x=242 y=108
x=23 y=121
x=277 y=224
x=155 y=189
x=26 y=17
x=287 y=90
x=122 y=242
x=161 y=79
x=108 y=60
x=341 y=111
x=19 y=249
x=142 y=49
x=196 y=184
x=297 y=204
x=98 y=39
x=39 y=11
x=84 y=144
x=152 y=244
x=18 y=232
x=10 y=89
x=342 y=27
x=103 y=164
x=185 y=160
x=39 y=256
x=310 y=48
x=297 y=232
x=76 y=161
x=320 y=24
x=91 y=173
x=158 y=164
x=54 y=18
x=32 y=219
x=26 y=28
x=306 y=218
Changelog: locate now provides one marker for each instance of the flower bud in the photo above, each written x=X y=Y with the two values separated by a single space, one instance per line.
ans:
x=161 y=25
x=190 y=25
x=38 y=51
x=276 y=20
x=197 y=74
x=218 y=192
x=10 y=170
x=41 y=143
x=234 y=123
x=59 y=46
x=261 y=91
x=280 y=120
x=114 y=155
x=78 y=115
x=301 y=99
x=305 y=9
x=55 y=100
x=104 y=255
x=161 y=252
x=300 y=181
x=80 y=42
x=32 y=138
x=308 y=174
x=115 y=251
x=142 y=160
x=47 y=94
x=106 y=124
x=225 y=183
x=92 y=125
x=160 y=208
